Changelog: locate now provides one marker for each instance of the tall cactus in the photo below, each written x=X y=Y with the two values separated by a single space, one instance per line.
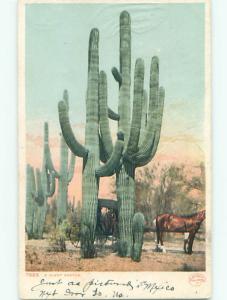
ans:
x=137 y=230
x=91 y=151
x=142 y=132
x=44 y=188
x=65 y=174
x=45 y=185
x=39 y=188
x=30 y=201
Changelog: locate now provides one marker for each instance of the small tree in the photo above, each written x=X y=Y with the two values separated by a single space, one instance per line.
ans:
x=145 y=192
x=168 y=189
x=198 y=183
x=170 y=192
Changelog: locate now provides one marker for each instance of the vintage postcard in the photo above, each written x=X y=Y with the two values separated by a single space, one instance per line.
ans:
x=114 y=149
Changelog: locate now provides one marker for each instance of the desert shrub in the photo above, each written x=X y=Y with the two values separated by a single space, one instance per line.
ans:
x=58 y=237
x=73 y=233
x=50 y=221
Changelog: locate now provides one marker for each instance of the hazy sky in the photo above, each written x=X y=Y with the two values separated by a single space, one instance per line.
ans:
x=56 y=58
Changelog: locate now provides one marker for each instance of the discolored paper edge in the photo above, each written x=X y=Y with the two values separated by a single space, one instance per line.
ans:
x=187 y=285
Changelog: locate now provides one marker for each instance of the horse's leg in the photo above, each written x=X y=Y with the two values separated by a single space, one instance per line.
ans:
x=157 y=233
x=158 y=236
x=157 y=241
x=185 y=245
x=193 y=238
x=190 y=241
x=161 y=241
x=161 y=238
x=186 y=235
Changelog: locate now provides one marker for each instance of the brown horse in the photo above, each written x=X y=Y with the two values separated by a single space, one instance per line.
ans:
x=186 y=224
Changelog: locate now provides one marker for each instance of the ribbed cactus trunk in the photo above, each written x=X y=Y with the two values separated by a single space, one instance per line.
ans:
x=142 y=132
x=39 y=201
x=126 y=206
x=65 y=176
x=30 y=201
x=62 y=183
x=90 y=182
x=89 y=153
x=43 y=208
x=125 y=176
x=89 y=207
x=96 y=91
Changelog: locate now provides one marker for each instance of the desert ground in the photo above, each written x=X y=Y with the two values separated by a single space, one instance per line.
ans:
x=40 y=257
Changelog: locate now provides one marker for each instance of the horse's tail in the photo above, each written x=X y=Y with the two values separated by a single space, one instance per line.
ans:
x=155 y=222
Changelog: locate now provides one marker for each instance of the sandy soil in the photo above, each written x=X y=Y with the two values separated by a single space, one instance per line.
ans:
x=39 y=258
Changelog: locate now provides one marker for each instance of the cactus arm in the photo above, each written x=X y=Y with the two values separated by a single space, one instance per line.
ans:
x=113 y=163
x=112 y=115
x=70 y=171
x=125 y=43
x=39 y=195
x=92 y=101
x=103 y=115
x=51 y=185
x=154 y=84
x=143 y=118
x=142 y=160
x=47 y=155
x=152 y=137
x=76 y=148
x=66 y=98
x=125 y=71
x=33 y=178
x=71 y=167
x=102 y=152
x=137 y=108
x=117 y=76
x=123 y=76
x=49 y=162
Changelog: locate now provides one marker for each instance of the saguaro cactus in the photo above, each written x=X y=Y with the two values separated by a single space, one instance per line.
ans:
x=44 y=187
x=137 y=230
x=142 y=132
x=30 y=201
x=91 y=151
x=65 y=174
x=39 y=188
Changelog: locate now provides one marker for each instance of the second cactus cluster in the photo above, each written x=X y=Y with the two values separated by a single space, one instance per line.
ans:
x=41 y=186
